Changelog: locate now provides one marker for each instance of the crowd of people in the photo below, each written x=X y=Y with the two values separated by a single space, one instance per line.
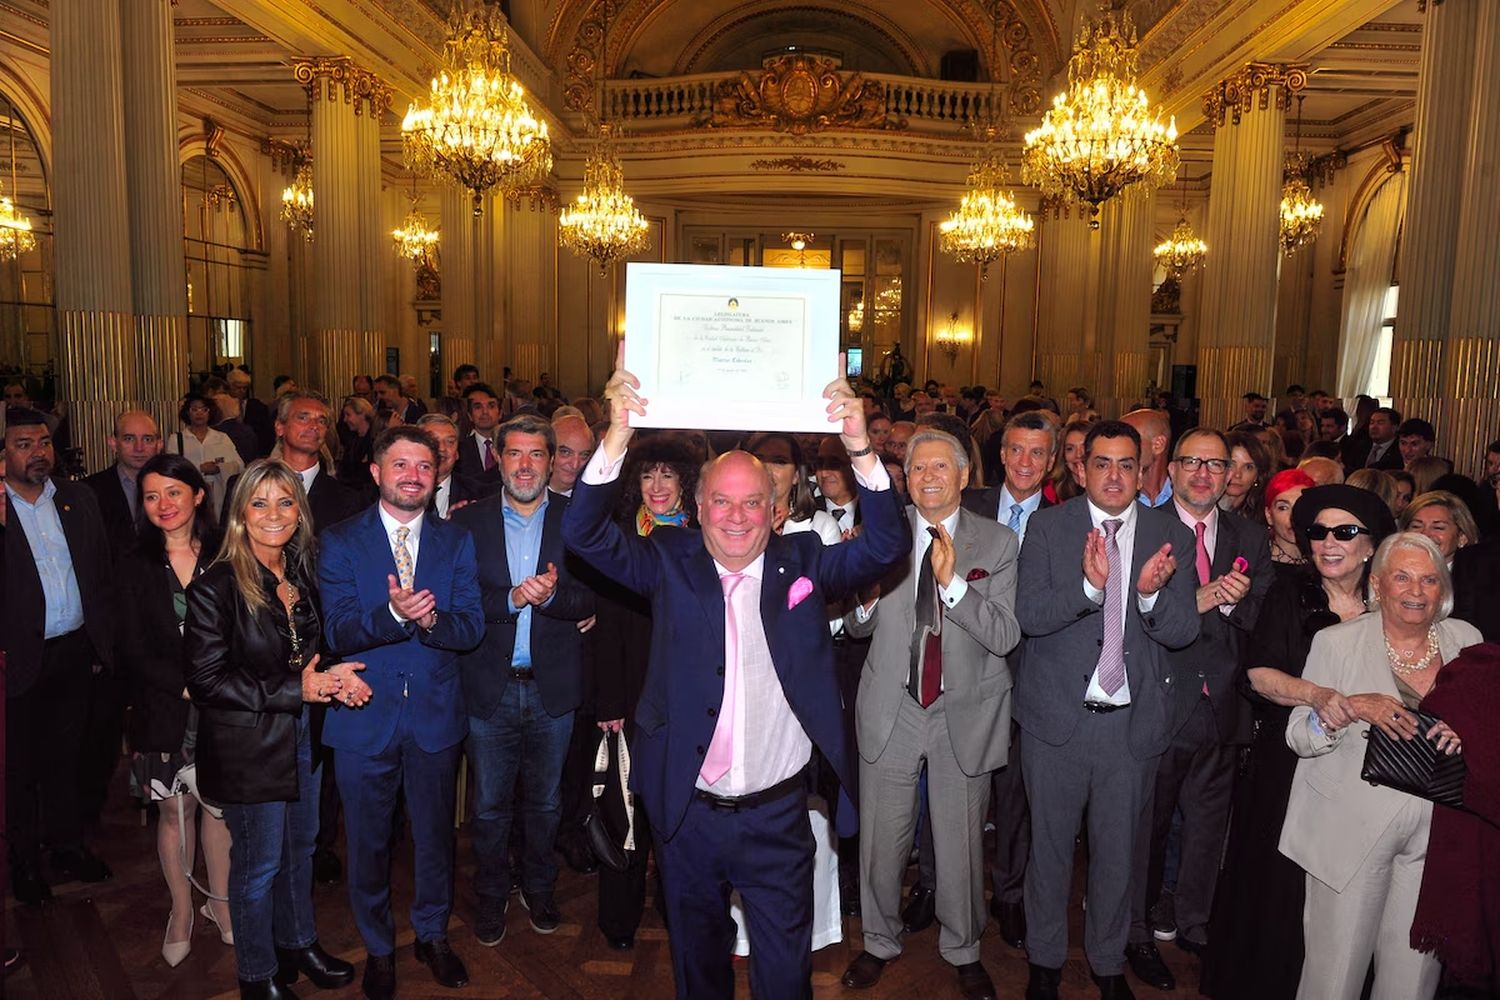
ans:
x=953 y=630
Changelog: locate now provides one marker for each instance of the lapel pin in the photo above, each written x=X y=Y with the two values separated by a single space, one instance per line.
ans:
x=781 y=569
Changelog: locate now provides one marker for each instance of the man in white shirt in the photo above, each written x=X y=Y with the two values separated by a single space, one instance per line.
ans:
x=836 y=485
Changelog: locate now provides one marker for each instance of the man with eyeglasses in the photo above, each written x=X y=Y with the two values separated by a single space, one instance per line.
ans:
x=1105 y=596
x=1230 y=562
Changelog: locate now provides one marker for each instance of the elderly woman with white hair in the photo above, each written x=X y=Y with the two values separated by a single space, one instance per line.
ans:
x=1364 y=846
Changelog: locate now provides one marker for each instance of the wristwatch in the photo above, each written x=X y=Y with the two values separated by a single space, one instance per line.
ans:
x=429 y=628
x=868 y=449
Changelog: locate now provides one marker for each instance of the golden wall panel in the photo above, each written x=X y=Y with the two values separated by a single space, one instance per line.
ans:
x=163 y=366
x=1225 y=374
x=1417 y=375
x=98 y=368
x=1471 y=402
x=336 y=356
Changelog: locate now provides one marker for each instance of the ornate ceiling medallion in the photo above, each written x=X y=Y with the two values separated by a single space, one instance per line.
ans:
x=799 y=94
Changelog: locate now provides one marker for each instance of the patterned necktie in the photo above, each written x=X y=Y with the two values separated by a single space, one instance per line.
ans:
x=489 y=455
x=1014 y=524
x=1112 y=653
x=405 y=572
x=721 y=748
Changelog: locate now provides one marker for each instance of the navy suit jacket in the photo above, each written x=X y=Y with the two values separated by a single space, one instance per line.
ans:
x=402 y=661
x=556 y=643
x=986 y=502
x=685 y=678
x=1064 y=629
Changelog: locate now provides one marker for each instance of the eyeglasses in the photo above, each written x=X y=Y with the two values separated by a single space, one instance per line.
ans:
x=1343 y=532
x=1191 y=463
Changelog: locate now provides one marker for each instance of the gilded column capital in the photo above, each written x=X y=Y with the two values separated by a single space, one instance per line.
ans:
x=1254 y=86
x=325 y=77
x=286 y=156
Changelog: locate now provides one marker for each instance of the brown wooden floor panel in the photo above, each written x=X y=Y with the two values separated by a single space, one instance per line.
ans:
x=104 y=943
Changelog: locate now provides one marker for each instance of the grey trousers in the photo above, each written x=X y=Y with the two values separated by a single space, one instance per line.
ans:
x=1093 y=775
x=888 y=815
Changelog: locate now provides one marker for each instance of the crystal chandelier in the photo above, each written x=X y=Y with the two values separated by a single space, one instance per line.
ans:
x=1181 y=252
x=603 y=222
x=1102 y=134
x=1301 y=213
x=477 y=126
x=988 y=224
x=15 y=230
x=297 y=202
x=414 y=240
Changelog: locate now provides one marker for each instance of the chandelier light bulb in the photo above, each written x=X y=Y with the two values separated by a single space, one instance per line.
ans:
x=15 y=231
x=297 y=203
x=988 y=224
x=603 y=223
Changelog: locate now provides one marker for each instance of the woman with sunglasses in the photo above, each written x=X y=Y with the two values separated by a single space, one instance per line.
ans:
x=1255 y=943
x=252 y=635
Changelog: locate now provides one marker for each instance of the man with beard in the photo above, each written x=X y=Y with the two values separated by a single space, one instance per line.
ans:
x=526 y=678
x=55 y=626
x=400 y=594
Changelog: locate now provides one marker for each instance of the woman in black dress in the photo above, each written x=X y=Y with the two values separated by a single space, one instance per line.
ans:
x=1255 y=934
x=176 y=539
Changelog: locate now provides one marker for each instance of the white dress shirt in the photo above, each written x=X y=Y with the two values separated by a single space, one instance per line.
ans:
x=1029 y=506
x=413 y=542
x=443 y=496
x=1125 y=538
x=309 y=476
x=845 y=521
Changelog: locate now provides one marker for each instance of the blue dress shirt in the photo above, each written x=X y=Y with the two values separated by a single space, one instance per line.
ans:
x=523 y=546
x=54 y=560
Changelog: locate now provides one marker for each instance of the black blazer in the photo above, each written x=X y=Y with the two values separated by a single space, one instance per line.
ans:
x=464 y=489
x=151 y=653
x=556 y=645
x=1359 y=453
x=248 y=693
x=471 y=463
x=986 y=501
x=1476 y=587
x=114 y=508
x=1214 y=657
x=23 y=618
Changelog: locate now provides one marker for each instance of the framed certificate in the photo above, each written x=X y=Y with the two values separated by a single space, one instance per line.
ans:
x=732 y=348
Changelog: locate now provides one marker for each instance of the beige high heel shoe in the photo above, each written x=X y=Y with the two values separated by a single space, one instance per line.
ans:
x=175 y=951
x=226 y=936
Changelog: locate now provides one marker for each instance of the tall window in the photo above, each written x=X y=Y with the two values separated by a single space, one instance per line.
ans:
x=217 y=244
x=1379 y=385
x=26 y=316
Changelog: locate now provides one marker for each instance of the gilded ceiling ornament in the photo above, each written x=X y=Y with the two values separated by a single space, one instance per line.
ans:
x=799 y=94
x=798 y=165
x=1257 y=84
x=325 y=77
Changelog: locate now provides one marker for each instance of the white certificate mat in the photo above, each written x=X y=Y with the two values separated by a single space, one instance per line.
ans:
x=732 y=348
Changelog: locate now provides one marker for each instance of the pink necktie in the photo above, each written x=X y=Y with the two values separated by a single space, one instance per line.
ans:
x=1111 y=667
x=1205 y=568
x=721 y=748
x=489 y=455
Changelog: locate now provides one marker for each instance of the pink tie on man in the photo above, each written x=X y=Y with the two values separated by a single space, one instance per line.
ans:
x=721 y=748
x=1205 y=567
x=489 y=455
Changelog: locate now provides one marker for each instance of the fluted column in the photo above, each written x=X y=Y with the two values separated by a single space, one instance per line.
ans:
x=1237 y=325
x=1471 y=363
x=530 y=280
x=1065 y=286
x=458 y=270
x=1435 y=199
x=340 y=346
x=91 y=259
x=1293 y=362
x=157 y=263
x=1124 y=317
x=374 y=236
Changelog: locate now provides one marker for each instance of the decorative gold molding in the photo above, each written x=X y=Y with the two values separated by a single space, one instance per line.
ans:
x=1422 y=5
x=324 y=76
x=286 y=156
x=799 y=94
x=798 y=165
x=1254 y=86
x=537 y=197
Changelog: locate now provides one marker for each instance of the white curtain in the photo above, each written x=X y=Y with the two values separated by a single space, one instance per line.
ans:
x=1367 y=278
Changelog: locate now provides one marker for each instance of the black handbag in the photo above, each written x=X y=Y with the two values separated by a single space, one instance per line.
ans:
x=608 y=846
x=1415 y=766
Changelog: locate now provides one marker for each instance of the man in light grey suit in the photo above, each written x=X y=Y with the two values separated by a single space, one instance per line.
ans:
x=935 y=689
x=1101 y=606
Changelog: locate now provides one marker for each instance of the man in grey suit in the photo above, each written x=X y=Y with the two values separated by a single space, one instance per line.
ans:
x=1102 y=606
x=935 y=689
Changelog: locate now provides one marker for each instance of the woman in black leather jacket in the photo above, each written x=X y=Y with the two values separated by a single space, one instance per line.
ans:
x=252 y=636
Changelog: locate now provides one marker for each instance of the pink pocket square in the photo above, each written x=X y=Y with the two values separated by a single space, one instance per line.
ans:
x=977 y=573
x=801 y=587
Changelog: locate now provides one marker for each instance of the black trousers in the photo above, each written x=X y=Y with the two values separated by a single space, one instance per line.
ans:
x=44 y=748
x=329 y=806
x=578 y=777
x=1012 y=825
x=100 y=754
x=1197 y=773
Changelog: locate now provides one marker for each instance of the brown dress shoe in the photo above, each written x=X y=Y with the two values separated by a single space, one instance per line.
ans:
x=864 y=971
x=974 y=983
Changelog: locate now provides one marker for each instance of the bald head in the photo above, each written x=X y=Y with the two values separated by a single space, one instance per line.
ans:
x=1155 y=431
x=575 y=445
x=135 y=441
x=734 y=508
x=1323 y=471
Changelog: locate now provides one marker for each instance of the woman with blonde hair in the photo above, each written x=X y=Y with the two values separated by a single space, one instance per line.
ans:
x=1444 y=518
x=252 y=636
x=1377 y=482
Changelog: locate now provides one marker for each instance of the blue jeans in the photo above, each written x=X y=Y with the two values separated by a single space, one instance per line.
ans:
x=270 y=869
x=520 y=738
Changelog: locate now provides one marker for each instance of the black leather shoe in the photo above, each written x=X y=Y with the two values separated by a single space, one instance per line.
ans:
x=580 y=857
x=1042 y=982
x=28 y=885
x=80 y=863
x=1115 y=987
x=1011 y=917
x=447 y=968
x=623 y=943
x=974 y=983
x=920 y=909
x=325 y=971
x=1145 y=961
x=543 y=909
x=327 y=869
x=1191 y=946
x=379 y=982
x=489 y=925
x=265 y=989
x=864 y=971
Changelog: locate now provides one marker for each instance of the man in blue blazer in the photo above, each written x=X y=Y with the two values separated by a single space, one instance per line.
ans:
x=400 y=594
x=741 y=685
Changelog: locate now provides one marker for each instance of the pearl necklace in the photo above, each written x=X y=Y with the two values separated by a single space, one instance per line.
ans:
x=1406 y=666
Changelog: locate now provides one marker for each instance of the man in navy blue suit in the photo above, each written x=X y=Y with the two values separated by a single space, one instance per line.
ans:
x=740 y=687
x=400 y=594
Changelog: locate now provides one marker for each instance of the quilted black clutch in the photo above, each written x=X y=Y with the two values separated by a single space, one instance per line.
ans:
x=1415 y=766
